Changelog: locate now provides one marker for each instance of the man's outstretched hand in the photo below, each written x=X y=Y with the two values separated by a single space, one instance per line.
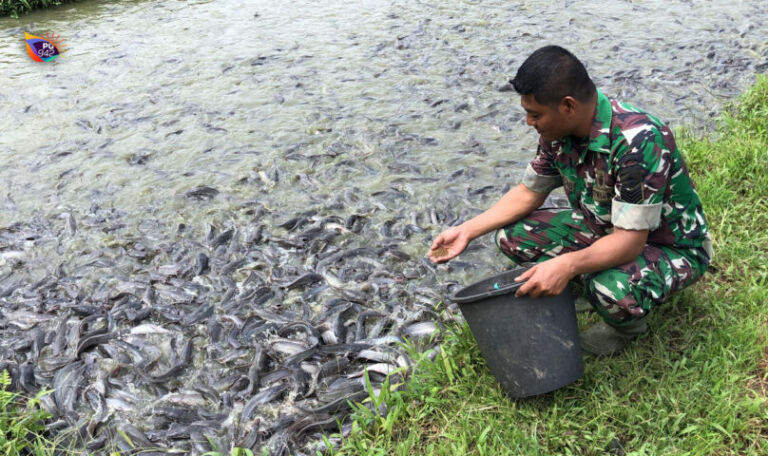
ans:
x=548 y=278
x=449 y=244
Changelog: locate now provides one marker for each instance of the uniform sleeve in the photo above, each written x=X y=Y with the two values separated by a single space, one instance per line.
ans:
x=541 y=176
x=642 y=172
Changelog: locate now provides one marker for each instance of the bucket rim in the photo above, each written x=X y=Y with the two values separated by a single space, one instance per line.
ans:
x=506 y=289
x=484 y=295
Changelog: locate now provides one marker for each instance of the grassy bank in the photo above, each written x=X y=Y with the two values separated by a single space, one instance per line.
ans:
x=15 y=8
x=695 y=385
x=21 y=423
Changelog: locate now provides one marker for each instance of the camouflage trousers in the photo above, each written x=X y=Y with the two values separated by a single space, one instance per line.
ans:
x=618 y=294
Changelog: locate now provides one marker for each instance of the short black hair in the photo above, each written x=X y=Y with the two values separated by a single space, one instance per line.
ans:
x=552 y=73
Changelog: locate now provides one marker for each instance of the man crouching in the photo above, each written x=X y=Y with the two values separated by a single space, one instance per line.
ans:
x=635 y=232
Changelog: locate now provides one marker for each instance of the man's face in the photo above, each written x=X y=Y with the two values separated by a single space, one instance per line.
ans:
x=549 y=121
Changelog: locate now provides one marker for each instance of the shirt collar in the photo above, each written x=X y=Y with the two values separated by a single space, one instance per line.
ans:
x=598 y=135
x=601 y=125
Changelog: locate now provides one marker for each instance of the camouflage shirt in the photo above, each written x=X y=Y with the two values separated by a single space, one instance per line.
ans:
x=628 y=174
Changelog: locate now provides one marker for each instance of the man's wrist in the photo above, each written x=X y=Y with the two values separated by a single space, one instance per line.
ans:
x=571 y=262
x=469 y=230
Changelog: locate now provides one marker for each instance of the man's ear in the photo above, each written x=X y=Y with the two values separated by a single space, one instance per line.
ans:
x=568 y=105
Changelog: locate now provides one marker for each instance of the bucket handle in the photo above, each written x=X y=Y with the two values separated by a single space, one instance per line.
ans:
x=506 y=288
x=487 y=294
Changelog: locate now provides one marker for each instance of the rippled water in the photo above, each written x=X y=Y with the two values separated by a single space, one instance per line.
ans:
x=153 y=98
x=386 y=109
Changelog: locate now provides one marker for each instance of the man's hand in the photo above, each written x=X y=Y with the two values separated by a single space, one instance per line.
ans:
x=449 y=244
x=518 y=202
x=548 y=278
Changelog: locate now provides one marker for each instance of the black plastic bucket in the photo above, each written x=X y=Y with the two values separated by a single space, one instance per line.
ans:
x=531 y=345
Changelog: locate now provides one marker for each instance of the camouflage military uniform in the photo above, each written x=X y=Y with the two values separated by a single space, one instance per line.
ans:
x=628 y=174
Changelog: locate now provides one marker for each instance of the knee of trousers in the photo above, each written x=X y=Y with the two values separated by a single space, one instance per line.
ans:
x=614 y=297
x=516 y=254
x=500 y=234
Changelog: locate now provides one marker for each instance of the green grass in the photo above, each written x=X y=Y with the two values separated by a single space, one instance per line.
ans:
x=695 y=385
x=21 y=423
x=15 y=8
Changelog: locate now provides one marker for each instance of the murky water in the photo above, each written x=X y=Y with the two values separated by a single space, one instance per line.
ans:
x=388 y=110
x=154 y=98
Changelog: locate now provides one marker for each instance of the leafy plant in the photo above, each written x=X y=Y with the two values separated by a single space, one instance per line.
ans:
x=14 y=8
x=21 y=422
